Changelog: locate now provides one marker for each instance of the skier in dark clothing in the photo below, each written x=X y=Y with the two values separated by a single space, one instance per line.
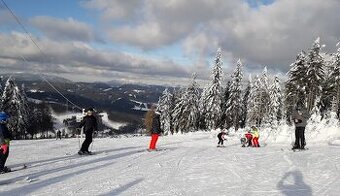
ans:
x=300 y=120
x=153 y=126
x=89 y=124
x=5 y=138
x=58 y=135
x=221 y=138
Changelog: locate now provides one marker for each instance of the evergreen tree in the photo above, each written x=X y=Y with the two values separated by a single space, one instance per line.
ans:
x=12 y=104
x=314 y=75
x=41 y=120
x=244 y=108
x=275 y=108
x=211 y=98
x=177 y=113
x=226 y=120
x=335 y=82
x=295 y=86
x=165 y=105
x=24 y=112
x=186 y=110
x=191 y=107
x=254 y=102
x=234 y=103
x=264 y=98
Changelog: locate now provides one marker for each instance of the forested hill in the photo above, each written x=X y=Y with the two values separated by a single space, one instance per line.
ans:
x=124 y=102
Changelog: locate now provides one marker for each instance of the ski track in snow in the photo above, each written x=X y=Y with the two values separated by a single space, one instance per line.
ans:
x=185 y=165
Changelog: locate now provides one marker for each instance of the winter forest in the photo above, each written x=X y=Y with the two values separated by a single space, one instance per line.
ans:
x=313 y=84
x=26 y=117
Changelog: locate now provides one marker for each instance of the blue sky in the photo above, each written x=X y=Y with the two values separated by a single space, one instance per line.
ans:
x=162 y=41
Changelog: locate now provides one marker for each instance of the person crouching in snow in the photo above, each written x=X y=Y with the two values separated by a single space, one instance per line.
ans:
x=5 y=137
x=221 y=138
x=255 y=136
x=153 y=126
x=247 y=140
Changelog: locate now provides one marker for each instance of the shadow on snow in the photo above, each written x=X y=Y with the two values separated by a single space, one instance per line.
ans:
x=292 y=184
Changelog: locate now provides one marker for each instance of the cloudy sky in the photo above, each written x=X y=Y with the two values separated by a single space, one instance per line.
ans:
x=158 y=42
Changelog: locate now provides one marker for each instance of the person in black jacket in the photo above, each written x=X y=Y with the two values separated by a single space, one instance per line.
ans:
x=153 y=126
x=300 y=118
x=221 y=138
x=5 y=138
x=89 y=125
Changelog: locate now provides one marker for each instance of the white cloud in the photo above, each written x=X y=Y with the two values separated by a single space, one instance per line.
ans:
x=65 y=30
x=269 y=35
x=79 y=58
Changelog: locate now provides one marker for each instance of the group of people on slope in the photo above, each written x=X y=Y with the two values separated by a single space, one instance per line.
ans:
x=153 y=126
x=251 y=138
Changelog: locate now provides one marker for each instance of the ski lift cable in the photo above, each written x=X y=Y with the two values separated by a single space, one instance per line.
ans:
x=40 y=50
x=54 y=88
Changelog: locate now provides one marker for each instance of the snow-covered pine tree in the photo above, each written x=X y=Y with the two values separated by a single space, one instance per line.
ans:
x=335 y=82
x=177 y=112
x=254 y=102
x=165 y=105
x=295 y=86
x=264 y=97
x=234 y=103
x=245 y=101
x=191 y=106
x=24 y=112
x=226 y=121
x=212 y=97
x=276 y=102
x=314 y=74
x=12 y=104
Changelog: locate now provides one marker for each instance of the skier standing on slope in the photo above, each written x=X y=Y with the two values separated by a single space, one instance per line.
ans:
x=5 y=137
x=221 y=138
x=58 y=135
x=153 y=126
x=300 y=120
x=89 y=124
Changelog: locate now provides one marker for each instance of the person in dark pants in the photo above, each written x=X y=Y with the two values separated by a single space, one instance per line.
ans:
x=89 y=125
x=5 y=138
x=221 y=138
x=300 y=121
x=58 y=135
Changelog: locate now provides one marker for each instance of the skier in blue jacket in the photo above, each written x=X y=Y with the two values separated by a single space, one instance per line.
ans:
x=5 y=138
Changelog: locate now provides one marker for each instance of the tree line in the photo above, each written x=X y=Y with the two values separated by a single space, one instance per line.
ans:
x=26 y=118
x=313 y=84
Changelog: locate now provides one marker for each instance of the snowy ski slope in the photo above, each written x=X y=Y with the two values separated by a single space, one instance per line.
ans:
x=187 y=165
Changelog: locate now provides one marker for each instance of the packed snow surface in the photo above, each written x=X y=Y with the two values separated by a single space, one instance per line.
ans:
x=188 y=164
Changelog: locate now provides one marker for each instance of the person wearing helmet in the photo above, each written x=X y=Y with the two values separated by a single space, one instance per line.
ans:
x=89 y=125
x=5 y=137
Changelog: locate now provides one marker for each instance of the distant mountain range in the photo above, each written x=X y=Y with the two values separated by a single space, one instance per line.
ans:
x=126 y=102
